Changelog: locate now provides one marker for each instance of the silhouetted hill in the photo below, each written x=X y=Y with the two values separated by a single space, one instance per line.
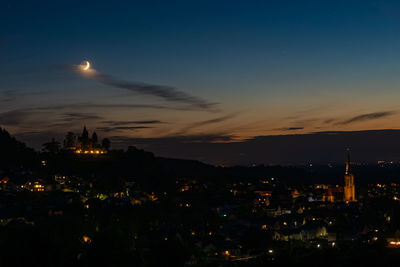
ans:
x=188 y=168
x=111 y=171
x=153 y=173
x=317 y=148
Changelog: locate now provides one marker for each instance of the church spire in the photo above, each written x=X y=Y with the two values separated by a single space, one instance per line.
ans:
x=349 y=187
x=348 y=162
x=85 y=133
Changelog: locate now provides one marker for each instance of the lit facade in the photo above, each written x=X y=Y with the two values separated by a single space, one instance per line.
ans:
x=83 y=144
x=349 y=187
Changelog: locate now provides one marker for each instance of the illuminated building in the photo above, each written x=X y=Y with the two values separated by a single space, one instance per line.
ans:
x=393 y=242
x=86 y=239
x=328 y=196
x=83 y=144
x=35 y=186
x=91 y=152
x=333 y=194
x=296 y=194
x=302 y=233
x=345 y=193
x=349 y=187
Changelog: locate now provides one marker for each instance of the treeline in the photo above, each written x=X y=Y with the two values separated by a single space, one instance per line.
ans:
x=15 y=154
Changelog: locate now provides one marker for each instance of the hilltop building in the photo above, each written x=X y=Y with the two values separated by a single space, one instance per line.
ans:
x=84 y=144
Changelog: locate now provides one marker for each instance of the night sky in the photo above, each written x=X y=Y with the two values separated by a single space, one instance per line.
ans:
x=199 y=72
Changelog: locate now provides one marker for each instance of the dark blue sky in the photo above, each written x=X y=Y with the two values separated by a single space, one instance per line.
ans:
x=272 y=67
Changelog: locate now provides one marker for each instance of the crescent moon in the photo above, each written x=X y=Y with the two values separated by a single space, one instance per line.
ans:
x=87 y=65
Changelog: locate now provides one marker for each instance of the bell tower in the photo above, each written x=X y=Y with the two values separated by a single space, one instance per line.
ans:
x=349 y=187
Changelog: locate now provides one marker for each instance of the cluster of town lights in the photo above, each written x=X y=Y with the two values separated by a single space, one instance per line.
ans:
x=37 y=187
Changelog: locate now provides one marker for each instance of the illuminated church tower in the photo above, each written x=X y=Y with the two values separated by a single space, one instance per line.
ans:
x=349 y=187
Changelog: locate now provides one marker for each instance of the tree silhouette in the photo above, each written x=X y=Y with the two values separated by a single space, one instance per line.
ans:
x=53 y=146
x=106 y=143
x=95 y=139
x=84 y=141
x=69 y=141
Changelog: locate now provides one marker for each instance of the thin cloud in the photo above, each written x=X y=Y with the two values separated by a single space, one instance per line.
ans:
x=211 y=121
x=198 y=138
x=168 y=93
x=73 y=116
x=119 y=128
x=327 y=121
x=12 y=95
x=367 y=117
x=288 y=129
x=121 y=123
x=14 y=117
x=113 y=106
x=8 y=96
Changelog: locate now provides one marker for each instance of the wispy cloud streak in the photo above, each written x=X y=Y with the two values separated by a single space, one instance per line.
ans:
x=112 y=106
x=367 y=117
x=168 y=93
x=122 y=128
x=207 y=122
x=288 y=129
x=122 y=123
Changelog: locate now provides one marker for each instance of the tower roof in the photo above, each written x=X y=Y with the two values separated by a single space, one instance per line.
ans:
x=348 y=161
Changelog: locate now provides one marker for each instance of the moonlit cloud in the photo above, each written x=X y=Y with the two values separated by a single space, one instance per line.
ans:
x=165 y=92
